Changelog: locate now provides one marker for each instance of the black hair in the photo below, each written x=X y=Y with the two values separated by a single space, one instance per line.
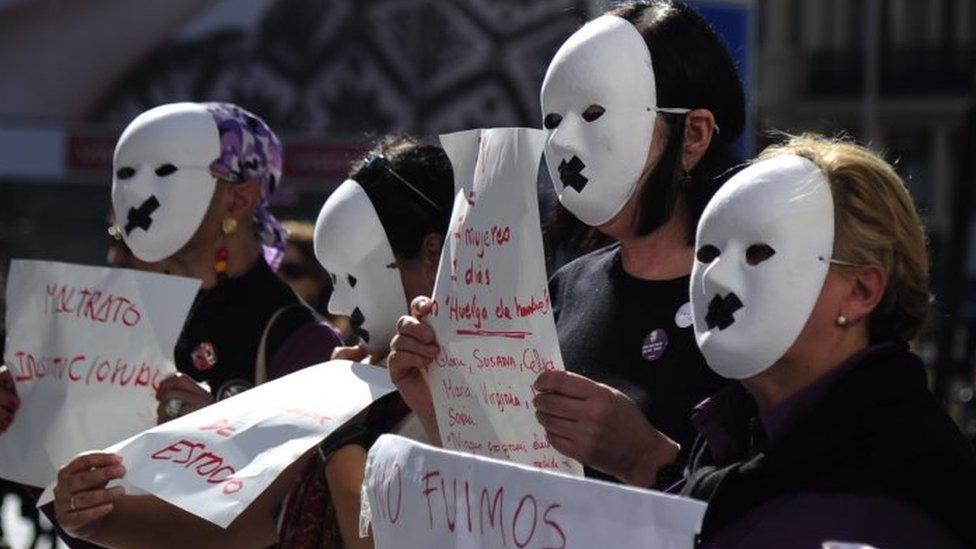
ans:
x=692 y=69
x=406 y=217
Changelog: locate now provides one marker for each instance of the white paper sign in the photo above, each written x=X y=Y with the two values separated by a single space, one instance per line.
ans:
x=87 y=347
x=216 y=461
x=492 y=315
x=422 y=497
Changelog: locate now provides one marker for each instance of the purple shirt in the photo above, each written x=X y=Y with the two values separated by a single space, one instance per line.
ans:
x=311 y=344
x=804 y=519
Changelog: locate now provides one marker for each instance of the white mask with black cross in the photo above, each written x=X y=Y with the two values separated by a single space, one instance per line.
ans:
x=162 y=185
x=351 y=243
x=763 y=248
x=599 y=105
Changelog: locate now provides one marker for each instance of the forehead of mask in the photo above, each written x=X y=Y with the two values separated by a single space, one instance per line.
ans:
x=784 y=203
x=606 y=63
x=352 y=245
x=161 y=183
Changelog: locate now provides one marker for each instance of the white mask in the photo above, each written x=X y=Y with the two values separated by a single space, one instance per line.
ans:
x=599 y=103
x=162 y=185
x=352 y=245
x=763 y=246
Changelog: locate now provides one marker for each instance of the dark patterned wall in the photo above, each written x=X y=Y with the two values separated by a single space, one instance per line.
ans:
x=341 y=67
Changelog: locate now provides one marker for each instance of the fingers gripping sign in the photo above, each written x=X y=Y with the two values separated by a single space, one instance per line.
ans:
x=601 y=427
x=9 y=402
x=359 y=353
x=412 y=350
x=179 y=395
x=81 y=496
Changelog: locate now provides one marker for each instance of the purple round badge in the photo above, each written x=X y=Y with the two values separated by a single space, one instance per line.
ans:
x=654 y=344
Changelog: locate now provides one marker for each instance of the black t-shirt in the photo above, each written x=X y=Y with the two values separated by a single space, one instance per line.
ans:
x=220 y=340
x=634 y=335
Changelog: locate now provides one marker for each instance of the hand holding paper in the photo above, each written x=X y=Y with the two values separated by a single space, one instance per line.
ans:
x=413 y=349
x=189 y=394
x=81 y=497
x=601 y=427
x=9 y=402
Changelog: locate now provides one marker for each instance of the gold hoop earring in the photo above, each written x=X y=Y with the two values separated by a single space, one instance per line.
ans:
x=841 y=320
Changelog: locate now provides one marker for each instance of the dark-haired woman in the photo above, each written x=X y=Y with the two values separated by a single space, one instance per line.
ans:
x=410 y=186
x=379 y=234
x=642 y=106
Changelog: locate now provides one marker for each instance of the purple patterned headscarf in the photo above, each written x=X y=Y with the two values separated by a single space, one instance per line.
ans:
x=250 y=151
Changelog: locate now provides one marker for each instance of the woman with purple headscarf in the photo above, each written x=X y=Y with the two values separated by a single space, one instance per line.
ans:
x=190 y=195
x=190 y=192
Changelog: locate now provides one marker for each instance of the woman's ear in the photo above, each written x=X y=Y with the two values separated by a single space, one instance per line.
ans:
x=699 y=131
x=430 y=253
x=867 y=288
x=244 y=197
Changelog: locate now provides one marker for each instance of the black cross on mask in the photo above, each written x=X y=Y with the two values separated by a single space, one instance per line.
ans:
x=570 y=174
x=141 y=217
x=357 y=320
x=720 y=310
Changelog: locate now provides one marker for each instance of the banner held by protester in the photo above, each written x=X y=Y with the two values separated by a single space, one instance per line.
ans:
x=492 y=313
x=216 y=461
x=420 y=496
x=86 y=348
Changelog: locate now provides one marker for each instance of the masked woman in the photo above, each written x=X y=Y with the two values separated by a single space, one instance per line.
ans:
x=380 y=235
x=811 y=279
x=190 y=192
x=642 y=106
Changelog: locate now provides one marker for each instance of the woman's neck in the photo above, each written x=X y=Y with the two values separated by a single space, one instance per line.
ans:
x=243 y=250
x=797 y=370
x=663 y=254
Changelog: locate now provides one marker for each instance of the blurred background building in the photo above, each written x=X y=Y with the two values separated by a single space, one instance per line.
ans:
x=330 y=75
x=901 y=76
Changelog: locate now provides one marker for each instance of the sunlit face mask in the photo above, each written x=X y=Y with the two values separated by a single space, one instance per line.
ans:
x=352 y=245
x=599 y=104
x=763 y=248
x=162 y=185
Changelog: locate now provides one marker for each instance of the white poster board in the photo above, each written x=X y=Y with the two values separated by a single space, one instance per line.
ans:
x=216 y=461
x=87 y=347
x=420 y=496
x=492 y=313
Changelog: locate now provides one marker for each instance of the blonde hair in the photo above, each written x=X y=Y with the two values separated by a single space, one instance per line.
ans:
x=875 y=223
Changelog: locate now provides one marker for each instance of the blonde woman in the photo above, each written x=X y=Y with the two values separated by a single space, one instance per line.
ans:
x=810 y=280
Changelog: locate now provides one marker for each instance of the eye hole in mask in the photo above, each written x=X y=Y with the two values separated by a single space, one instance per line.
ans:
x=593 y=112
x=552 y=120
x=757 y=253
x=707 y=253
x=165 y=169
x=125 y=172
x=352 y=281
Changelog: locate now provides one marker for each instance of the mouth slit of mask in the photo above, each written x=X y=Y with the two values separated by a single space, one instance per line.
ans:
x=141 y=217
x=721 y=311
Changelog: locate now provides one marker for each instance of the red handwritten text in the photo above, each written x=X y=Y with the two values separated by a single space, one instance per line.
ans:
x=210 y=467
x=91 y=304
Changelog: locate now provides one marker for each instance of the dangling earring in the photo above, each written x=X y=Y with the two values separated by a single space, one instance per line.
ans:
x=228 y=226
x=841 y=320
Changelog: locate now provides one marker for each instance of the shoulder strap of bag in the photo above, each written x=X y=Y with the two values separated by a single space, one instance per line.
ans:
x=261 y=361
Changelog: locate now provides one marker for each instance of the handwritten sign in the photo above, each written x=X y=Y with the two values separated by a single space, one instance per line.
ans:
x=216 y=461
x=419 y=496
x=492 y=313
x=87 y=347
